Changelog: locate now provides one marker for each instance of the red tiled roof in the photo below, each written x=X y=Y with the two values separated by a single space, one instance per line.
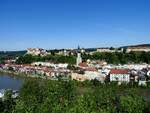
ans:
x=84 y=64
x=91 y=69
x=119 y=71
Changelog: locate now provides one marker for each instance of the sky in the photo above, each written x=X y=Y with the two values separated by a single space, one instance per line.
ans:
x=54 y=24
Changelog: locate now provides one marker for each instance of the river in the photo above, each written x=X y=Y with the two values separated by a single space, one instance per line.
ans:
x=10 y=82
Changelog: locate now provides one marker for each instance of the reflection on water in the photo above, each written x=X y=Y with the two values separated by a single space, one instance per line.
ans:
x=10 y=82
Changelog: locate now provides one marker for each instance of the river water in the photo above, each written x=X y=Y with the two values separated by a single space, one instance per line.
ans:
x=10 y=82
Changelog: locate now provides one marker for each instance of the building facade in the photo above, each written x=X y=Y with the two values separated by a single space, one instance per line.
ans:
x=36 y=51
x=120 y=75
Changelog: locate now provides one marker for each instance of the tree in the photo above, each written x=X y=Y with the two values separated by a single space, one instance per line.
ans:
x=106 y=99
x=9 y=102
x=2 y=61
x=131 y=104
x=47 y=96
x=1 y=106
x=31 y=94
x=71 y=67
x=124 y=50
x=11 y=69
x=112 y=48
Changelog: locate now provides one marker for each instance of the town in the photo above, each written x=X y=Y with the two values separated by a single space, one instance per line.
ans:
x=75 y=56
x=83 y=70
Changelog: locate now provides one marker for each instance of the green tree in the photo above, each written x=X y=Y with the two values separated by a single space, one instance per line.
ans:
x=2 y=107
x=9 y=102
x=131 y=104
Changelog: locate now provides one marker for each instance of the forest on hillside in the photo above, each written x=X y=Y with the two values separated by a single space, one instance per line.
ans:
x=111 y=58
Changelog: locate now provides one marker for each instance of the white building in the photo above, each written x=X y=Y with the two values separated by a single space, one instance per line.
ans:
x=142 y=81
x=148 y=73
x=89 y=75
x=120 y=75
x=48 y=64
x=139 y=48
x=36 y=51
x=79 y=59
x=105 y=50
x=137 y=66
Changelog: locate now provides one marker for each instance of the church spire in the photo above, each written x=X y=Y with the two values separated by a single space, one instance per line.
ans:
x=78 y=47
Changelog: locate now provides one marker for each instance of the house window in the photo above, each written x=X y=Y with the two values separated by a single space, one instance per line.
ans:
x=116 y=78
x=124 y=76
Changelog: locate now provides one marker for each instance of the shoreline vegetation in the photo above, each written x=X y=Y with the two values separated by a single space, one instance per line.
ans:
x=51 y=96
x=47 y=96
x=24 y=76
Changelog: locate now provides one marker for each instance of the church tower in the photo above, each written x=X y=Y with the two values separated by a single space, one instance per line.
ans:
x=79 y=59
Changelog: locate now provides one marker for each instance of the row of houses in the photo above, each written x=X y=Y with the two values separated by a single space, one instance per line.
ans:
x=119 y=73
x=37 y=52
x=49 y=64
x=39 y=71
x=138 y=48
x=85 y=71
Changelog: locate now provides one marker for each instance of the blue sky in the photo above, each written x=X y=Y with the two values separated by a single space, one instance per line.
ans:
x=66 y=23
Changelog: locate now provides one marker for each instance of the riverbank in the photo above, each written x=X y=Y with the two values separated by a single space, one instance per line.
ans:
x=16 y=74
x=27 y=76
